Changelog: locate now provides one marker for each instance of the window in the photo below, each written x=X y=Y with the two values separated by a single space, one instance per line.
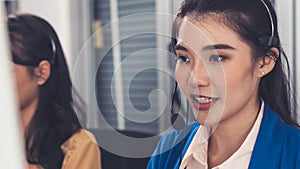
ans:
x=128 y=78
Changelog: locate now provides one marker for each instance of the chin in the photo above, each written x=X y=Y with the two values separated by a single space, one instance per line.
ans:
x=209 y=122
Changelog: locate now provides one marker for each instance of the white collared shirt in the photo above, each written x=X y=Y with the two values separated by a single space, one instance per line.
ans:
x=196 y=155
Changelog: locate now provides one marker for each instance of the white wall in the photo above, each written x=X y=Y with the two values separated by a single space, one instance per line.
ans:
x=11 y=147
x=297 y=48
x=58 y=14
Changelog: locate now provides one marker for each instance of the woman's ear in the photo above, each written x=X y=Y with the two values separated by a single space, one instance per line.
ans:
x=42 y=72
x=267 y=63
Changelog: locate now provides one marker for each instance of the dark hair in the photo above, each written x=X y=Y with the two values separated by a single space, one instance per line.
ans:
x=251 y=21
x=32 y=40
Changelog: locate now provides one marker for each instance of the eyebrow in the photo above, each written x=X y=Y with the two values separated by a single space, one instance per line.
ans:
x=218 y=46
x=180 y=47
x=208 y=47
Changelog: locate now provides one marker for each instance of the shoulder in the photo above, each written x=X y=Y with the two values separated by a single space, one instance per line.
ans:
x=280 y=125
x=81 y=149
x=80 y=138
x=272 y=121
x=292 y=135
x=289 y=135
x=167 y=152
x=174 y=137
x=290 y=144
x=290 y=130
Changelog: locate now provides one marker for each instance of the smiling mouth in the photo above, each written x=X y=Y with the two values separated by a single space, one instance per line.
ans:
x=203 y=102
x=203 y=99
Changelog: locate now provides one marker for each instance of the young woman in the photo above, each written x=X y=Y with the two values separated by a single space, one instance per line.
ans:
x=229 y=67
x=53 y=135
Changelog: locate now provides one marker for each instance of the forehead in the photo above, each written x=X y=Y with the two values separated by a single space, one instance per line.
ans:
x=197 y=33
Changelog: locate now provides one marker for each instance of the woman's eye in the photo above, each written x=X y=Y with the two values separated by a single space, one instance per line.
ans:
x=183 y=59
x=216 y=58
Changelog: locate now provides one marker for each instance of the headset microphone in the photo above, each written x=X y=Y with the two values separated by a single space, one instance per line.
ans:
x=176 y=119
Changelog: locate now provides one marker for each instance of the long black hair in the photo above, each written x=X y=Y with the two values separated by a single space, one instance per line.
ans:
x=255 y=22
x=32 y=39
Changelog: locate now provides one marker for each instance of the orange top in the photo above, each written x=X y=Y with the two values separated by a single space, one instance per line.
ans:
x=80 y=152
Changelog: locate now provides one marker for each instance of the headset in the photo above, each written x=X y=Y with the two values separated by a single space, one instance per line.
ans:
x=35 y=62
x=269 y=40
x=52 y=61
x=176 y=119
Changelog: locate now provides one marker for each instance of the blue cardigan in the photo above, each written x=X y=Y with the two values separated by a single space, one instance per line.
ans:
x=277 y=145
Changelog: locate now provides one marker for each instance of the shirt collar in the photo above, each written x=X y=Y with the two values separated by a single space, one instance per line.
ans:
x=198 y=148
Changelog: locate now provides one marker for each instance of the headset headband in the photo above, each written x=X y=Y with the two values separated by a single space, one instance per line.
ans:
x=35 y=62
x=269 y=40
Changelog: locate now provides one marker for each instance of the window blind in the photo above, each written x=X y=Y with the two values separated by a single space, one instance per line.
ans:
x=138 y=61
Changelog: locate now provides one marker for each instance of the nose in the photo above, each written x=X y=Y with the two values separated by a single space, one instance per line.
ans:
x=199 y=75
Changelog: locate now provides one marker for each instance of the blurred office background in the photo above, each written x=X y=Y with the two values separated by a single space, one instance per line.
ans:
x=119 y=59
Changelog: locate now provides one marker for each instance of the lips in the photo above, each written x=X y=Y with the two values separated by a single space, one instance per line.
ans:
x=203 y=102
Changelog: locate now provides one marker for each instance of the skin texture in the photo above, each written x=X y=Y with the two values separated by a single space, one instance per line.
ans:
x=27 y=90
x=226 y=73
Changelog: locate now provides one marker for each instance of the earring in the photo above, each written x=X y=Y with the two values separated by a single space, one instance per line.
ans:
x=262 y=73
x=40 y=80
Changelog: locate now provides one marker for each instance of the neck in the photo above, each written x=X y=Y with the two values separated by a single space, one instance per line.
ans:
x=231 y=133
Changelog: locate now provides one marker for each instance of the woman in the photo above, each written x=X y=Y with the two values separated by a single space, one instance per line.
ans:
x=53 y=135
x=229 y=66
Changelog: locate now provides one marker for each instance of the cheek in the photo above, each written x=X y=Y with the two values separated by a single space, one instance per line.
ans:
x=182 y=74
x=26 y=86
x=21 y=84
x=19 y=80
x=241 y=82
x=239 y=75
